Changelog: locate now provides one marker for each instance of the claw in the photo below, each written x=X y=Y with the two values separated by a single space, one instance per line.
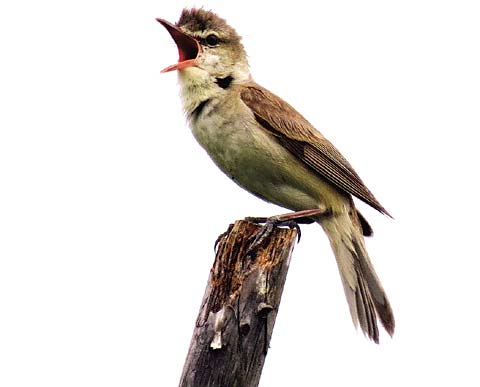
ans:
x=291 y=220
x=293 y=225
x=260 y=236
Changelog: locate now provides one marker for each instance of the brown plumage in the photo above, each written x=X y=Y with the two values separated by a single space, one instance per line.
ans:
x=199 y=20
x=306 y=143
x=268 y=148
x=366 y=296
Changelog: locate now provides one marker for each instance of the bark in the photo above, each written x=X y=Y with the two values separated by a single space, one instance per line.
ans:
x=236 y=319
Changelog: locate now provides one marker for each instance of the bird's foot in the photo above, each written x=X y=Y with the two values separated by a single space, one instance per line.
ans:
x=291 y=220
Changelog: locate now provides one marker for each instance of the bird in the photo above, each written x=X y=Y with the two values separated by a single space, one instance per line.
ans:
x=265 y=146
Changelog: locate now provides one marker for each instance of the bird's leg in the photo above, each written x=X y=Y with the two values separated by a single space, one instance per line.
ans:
x=291 y=220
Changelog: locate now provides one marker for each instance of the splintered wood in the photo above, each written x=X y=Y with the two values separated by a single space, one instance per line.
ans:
x=237 y=316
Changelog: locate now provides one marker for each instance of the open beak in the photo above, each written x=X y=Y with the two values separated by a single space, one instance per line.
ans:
x=188 y=47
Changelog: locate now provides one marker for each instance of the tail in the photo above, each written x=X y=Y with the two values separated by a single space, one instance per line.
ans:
x=365 y=295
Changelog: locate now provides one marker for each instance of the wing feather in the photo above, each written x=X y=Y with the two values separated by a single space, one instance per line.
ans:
x=296 y=134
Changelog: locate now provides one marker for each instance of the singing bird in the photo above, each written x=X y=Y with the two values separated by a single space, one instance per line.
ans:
x=264 y=145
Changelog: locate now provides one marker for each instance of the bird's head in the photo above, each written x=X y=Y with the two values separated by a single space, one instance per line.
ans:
x=207 y=46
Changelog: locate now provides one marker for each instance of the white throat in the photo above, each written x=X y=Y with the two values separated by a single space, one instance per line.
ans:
x=197 y=85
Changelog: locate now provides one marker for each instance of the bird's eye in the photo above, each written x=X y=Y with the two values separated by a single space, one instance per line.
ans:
x=212 y=40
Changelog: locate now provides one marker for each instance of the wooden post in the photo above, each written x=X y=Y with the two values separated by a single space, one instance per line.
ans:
x=238 y=311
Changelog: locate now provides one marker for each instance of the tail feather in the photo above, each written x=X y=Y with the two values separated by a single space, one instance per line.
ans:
x=378 y=295
x=366 y=311
x=366 y=228
x=365 y=295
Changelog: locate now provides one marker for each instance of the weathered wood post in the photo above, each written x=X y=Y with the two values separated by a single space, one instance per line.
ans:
x=238 y=311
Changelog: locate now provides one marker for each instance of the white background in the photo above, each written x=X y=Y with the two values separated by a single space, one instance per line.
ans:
x=109 y=209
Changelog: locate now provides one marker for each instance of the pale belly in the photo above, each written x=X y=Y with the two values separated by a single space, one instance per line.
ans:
x=254 y=160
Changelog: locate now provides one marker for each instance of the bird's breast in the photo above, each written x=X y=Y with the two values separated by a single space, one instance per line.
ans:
x=252 y=157
x=227 y=132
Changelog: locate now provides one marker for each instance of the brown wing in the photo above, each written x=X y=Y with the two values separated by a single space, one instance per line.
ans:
x=297 y=135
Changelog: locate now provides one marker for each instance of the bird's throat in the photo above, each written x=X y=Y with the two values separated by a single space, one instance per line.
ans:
x=196 y=86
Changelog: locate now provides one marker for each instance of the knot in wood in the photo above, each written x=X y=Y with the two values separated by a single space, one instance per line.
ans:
x=244 y=327
x=264 y=309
